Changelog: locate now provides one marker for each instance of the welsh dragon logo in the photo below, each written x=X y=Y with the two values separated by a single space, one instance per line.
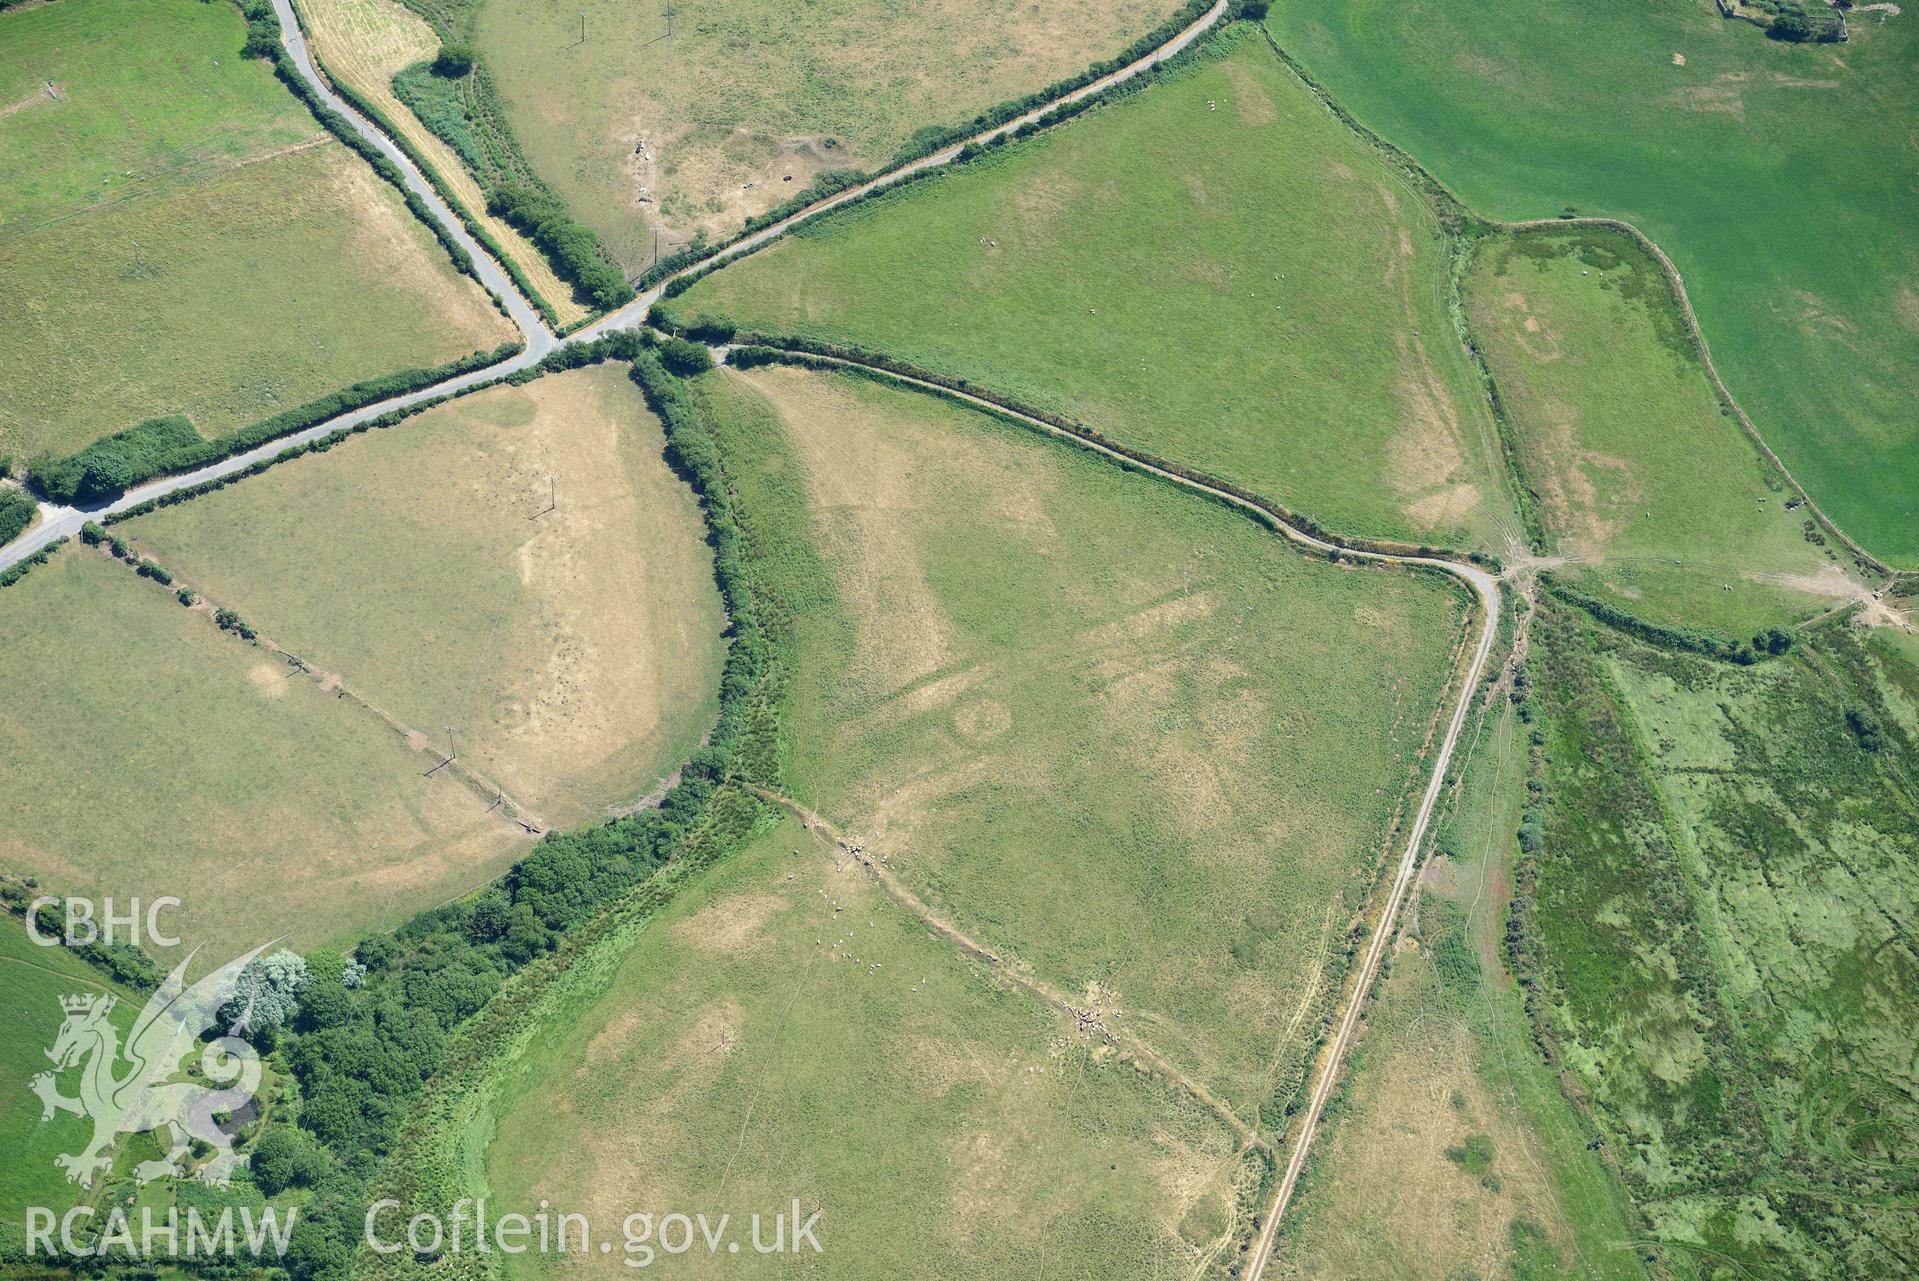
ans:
x=127 y=1090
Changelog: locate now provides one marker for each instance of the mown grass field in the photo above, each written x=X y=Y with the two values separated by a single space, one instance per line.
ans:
x=754 y=92
x=1216 y=270
x=1725 y=865
x=784 y=1030
x=363 y=43
x=1450 y=1151
x=32 y=981
x=576 y=651
x=1760 y=167
x=1111 y=730
x=1655 y=495
x=185 y=239
x=151 y=754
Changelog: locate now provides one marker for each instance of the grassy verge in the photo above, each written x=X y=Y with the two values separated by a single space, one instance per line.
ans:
x=1452 y=1151
x=361 y=45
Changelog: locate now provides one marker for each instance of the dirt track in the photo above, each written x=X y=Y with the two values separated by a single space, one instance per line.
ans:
x=60 y=522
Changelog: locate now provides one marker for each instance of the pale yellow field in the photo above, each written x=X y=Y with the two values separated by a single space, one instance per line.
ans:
x=363 y=43
x=575 y=652
x=147 y=753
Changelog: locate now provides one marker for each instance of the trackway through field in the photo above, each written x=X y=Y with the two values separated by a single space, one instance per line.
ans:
x=1486 y=590
x=60 y=522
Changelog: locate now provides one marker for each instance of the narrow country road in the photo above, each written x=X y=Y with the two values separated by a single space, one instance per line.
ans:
x=59 y=522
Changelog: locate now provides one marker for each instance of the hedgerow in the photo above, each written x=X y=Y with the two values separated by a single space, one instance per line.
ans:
x=474 y=227
x=115 y=463
x=577 y=255
x=125 y=964
x=14 y=573
x=161 y=446
x=263 y=41
x=364 y=1060
x=759 y=349
x=16 y=513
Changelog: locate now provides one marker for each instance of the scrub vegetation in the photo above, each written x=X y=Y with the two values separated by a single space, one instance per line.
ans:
x=1450 y=1151
x=364 y=45
x=1709 y=920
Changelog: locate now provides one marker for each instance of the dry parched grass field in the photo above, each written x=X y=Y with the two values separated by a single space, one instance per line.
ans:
x=183 y=238
x=416 y=571
x=157 y=755
x=637 y=129
x=1104 y=729
x=576 y=651
x=1108 y=728
x=784 y=1030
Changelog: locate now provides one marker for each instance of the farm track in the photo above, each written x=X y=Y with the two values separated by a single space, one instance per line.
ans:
x=1486 y=590
x=59 y=522
x=1087 y=1019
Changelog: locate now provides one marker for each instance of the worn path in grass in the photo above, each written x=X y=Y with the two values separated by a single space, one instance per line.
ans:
x=1486 y=589
x=1087 y=1018
x=61 y=522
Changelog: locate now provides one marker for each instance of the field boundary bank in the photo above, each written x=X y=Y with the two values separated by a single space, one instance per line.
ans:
x=481 y=786
x=1470 y=228
x=1087 y=1021
x=759 y=348
x=1488 y=597
x=1697 y=338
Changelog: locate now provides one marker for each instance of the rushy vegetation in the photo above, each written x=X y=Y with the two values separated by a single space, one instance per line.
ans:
x=1707 y=932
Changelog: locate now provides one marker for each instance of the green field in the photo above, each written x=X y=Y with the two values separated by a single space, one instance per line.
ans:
x=575 y=651
x=151 y=754
x=1161 y=792
x=1715 y=919
x=638 y=132
x=783 y=1030
x=1762 y=168
x=1157 y=798
x=185 y=239
x=32 y=981
x=1450 y=1151
x=1215 y=270
x=1656 y=497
